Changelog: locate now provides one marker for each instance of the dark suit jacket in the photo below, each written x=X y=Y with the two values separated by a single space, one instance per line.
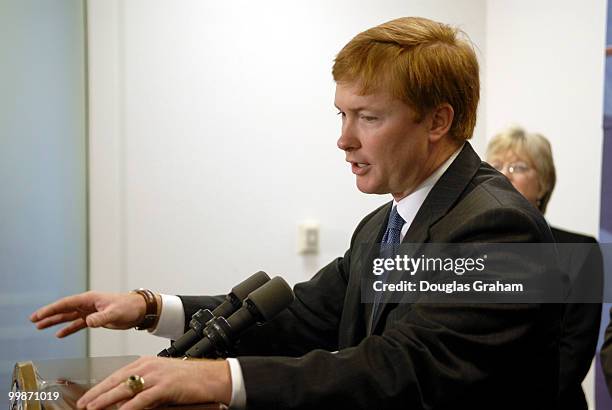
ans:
x=420 y=356
x=580 y=324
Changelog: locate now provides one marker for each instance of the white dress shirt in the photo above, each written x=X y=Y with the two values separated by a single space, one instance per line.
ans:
x=172 y=318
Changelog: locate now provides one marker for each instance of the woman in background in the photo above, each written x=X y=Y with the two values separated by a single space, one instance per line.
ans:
x=526 y=160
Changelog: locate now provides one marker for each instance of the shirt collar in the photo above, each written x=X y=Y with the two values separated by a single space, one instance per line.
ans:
x=409 y=206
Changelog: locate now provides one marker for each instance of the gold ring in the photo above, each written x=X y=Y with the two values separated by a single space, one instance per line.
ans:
x=135 y=383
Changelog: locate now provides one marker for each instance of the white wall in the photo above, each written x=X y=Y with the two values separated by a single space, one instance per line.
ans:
x=213 y=134
x=545 y=72
x=107 y=253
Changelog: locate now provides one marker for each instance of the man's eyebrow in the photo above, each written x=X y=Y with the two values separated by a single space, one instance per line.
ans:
x=355 y=109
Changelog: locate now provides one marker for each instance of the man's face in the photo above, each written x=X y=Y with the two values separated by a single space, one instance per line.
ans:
x=388 y=150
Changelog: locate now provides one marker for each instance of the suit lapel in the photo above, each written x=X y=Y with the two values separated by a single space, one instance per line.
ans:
x=356 y=319
x=442 y=197
x=444 y=194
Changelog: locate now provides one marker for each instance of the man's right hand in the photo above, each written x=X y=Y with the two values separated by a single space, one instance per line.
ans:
x=92 y=309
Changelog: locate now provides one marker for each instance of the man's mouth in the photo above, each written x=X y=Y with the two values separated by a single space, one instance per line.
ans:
x=359 y=168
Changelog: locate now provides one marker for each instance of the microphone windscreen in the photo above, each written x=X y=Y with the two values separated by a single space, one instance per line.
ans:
x=250 y=284
x=272 y=298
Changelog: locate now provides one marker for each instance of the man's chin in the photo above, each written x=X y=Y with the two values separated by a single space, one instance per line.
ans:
x=370 y=189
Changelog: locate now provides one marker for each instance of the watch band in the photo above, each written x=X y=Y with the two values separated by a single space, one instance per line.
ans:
x=151 y=316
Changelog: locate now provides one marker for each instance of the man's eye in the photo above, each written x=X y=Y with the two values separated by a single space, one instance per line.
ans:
x=368 y=118
x=341 y=113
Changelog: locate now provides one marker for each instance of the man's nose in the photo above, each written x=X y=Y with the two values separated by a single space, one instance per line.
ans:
x=348 y=140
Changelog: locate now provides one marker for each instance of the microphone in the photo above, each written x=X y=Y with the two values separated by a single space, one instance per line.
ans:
x=232 y=302
x=262 y=305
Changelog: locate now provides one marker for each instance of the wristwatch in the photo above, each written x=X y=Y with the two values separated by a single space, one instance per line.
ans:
x=151 y=315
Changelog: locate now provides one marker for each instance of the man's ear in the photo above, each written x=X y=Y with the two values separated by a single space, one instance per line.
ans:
x=441 y=121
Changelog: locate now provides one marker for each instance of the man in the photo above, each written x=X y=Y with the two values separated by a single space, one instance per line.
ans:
x=407 y=92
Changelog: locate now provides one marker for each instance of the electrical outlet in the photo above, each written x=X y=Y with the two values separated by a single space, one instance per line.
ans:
x=308 y=237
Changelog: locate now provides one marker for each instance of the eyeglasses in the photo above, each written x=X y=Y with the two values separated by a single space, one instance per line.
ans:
x=517 y=168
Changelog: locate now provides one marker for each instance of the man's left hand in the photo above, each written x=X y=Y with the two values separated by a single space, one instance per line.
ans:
x=165 y=381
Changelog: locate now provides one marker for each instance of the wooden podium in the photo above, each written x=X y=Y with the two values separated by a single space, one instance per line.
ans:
x=58 y=384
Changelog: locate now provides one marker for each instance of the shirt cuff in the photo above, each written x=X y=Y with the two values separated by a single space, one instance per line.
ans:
x=171 y=324
x=238 y=401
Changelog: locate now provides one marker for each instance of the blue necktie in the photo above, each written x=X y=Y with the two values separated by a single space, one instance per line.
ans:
x=394 y=229
x=390 y=240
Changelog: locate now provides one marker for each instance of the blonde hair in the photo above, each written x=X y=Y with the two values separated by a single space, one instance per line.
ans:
x=419 y=61
x=536 y=148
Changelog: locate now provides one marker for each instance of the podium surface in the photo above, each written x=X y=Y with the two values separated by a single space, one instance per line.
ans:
x=60 y=383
